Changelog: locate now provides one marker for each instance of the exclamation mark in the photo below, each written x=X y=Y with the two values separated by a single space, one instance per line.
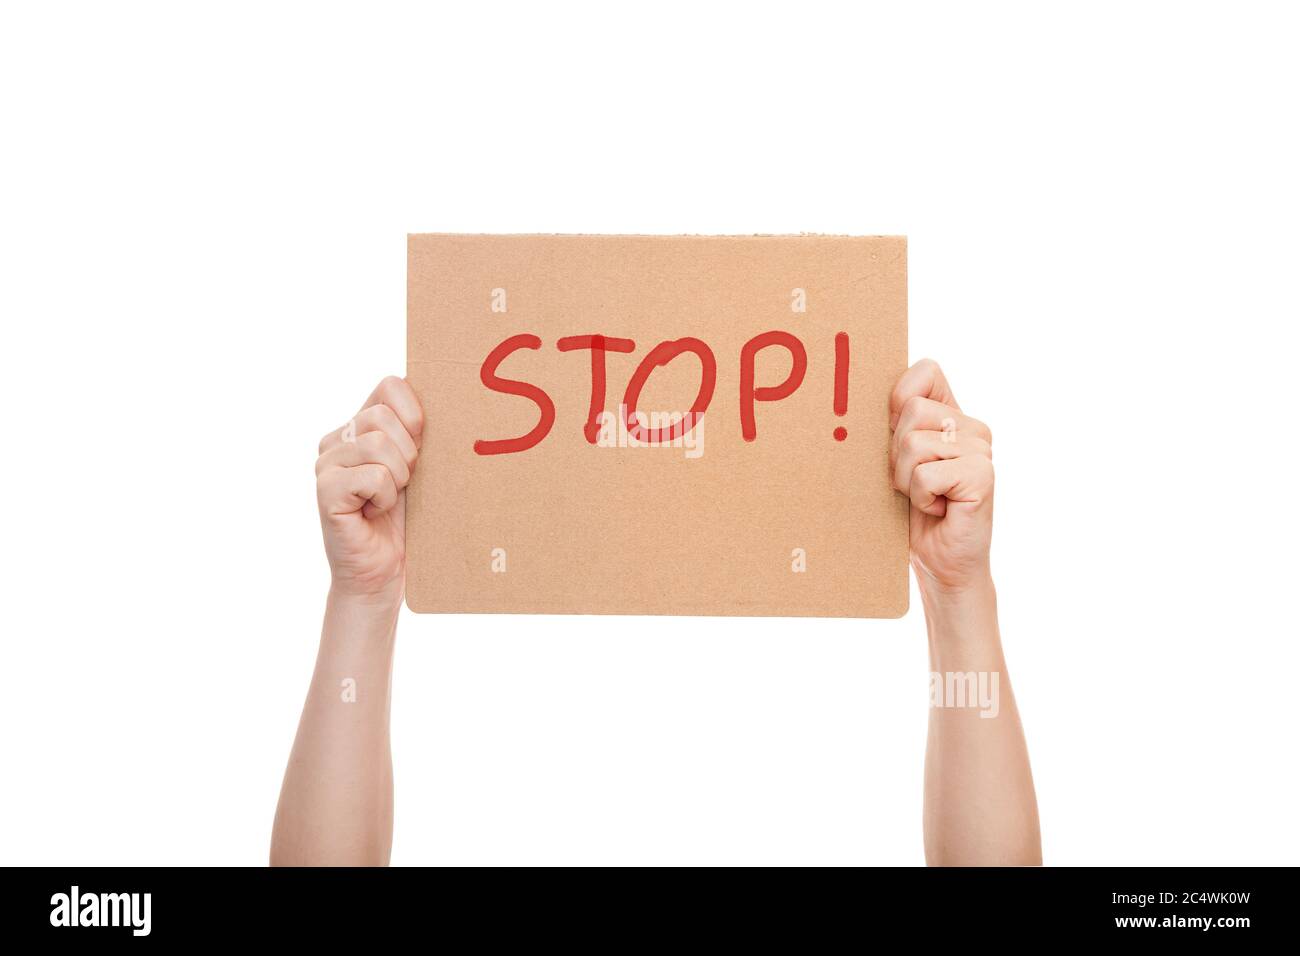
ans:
x=841 y=402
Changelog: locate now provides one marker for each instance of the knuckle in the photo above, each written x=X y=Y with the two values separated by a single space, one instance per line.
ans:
x=911 y=411
x=914 y=405
x=904 y=476
x=913 y=442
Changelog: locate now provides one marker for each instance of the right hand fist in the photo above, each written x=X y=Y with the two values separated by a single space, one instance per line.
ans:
x=361 y=478
x=942 y=460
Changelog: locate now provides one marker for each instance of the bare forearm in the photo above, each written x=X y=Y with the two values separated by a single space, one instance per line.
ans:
x=980 y=808
x=336 y=802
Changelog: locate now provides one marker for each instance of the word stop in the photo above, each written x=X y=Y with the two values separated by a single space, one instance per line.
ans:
x=660 y=355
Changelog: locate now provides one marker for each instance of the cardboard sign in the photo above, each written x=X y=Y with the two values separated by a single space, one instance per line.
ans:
x=656 y=425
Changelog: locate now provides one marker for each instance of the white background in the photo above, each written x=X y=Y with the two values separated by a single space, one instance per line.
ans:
x=203 y=214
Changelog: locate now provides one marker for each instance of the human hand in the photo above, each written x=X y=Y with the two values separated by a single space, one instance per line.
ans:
x=943 y=461
x=361 y=478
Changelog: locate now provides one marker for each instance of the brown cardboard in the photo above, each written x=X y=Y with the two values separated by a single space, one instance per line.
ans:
x=568 y=527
